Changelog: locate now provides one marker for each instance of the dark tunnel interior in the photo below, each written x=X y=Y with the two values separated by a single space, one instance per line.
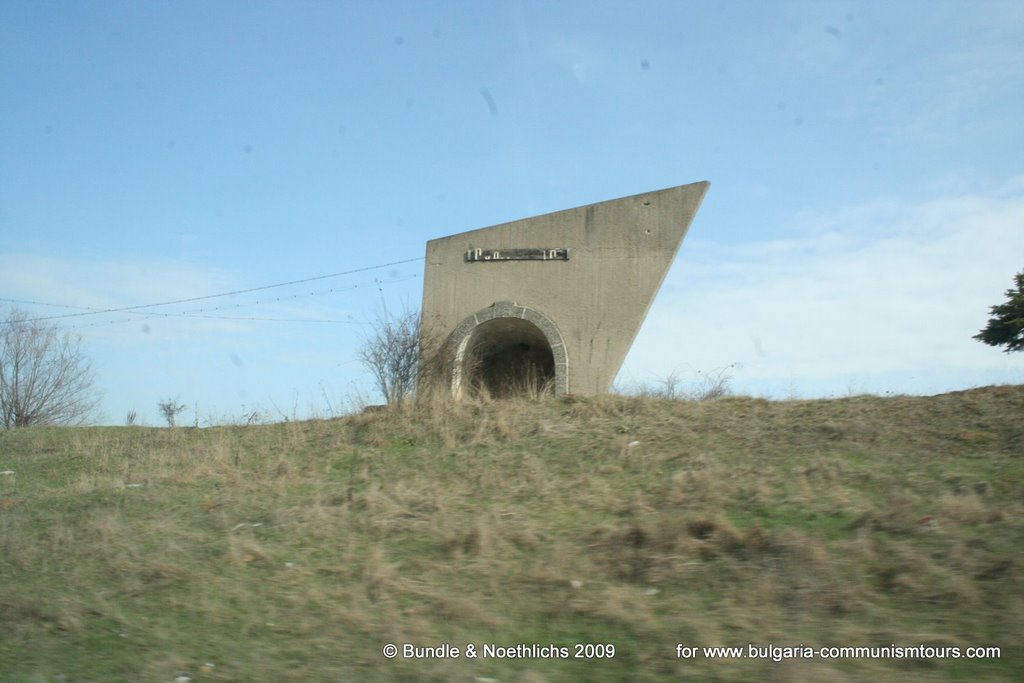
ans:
x=509 y=357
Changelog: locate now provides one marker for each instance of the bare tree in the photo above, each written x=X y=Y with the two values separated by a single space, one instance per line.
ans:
x=45 y=378
x=392 y=355
x=170 y=409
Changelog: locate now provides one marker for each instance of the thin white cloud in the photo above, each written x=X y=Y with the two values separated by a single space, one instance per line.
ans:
x=886 y=289
x=963 y=86
x=116 y=284
x=143 y=357
x=575 y=56
x=104 y=283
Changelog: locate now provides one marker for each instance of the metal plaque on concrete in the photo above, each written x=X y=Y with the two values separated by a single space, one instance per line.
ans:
x=479 y=254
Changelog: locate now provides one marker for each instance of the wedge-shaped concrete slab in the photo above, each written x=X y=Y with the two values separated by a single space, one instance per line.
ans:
x=557 y=298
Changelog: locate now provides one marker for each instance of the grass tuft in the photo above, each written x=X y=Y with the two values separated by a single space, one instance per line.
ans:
x=295 y=551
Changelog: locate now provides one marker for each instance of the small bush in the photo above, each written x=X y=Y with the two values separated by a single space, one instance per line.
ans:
x=170 y=410
x=707 y=386
x=405 y=357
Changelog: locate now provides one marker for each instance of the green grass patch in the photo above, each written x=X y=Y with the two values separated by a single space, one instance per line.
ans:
x=296 y=551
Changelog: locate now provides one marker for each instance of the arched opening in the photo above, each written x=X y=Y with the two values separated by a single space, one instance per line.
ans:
x=508 y=357
x=508 y=349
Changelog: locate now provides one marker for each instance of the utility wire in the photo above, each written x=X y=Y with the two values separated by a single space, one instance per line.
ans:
x=199 y=313
x=215 y=296
x=43 y=303
x=204 y=312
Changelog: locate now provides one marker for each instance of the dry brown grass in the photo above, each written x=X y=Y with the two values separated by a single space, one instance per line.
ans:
x=295 y=551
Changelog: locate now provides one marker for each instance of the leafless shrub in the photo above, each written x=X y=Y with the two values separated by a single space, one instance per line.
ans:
x=391 y=354
x=170 y=409
x=714 y=383
x=251 y=416
x=707 y=386
x=131 y=417
x=44 y=376
x=671 y=386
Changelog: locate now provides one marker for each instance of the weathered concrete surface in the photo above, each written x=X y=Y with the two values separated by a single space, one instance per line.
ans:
x=577 y=317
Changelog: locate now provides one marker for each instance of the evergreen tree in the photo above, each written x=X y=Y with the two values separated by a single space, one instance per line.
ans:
x=1006 y=326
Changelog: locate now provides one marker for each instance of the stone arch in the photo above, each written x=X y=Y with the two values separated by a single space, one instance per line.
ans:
x=502 y=345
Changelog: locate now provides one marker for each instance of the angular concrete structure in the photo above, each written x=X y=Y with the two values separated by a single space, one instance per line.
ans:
x=557 y=298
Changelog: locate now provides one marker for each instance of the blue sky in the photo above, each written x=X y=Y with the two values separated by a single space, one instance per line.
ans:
x=866 y=162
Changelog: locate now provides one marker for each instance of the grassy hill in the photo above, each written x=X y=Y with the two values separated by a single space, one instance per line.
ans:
x=296 y=551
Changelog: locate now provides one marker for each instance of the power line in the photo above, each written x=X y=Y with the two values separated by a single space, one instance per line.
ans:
x=204 y=312
x=225 y=317
x=211 y=296
x=43 y=303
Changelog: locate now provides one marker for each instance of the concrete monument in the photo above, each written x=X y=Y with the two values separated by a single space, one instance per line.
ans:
x=556 y=299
